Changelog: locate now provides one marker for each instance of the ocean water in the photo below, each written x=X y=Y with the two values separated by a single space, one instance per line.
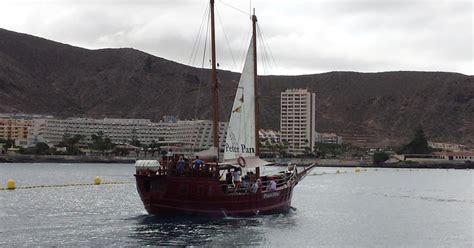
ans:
x=373 y=208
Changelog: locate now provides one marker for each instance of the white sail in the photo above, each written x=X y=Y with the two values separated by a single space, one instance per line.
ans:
x=240 y=139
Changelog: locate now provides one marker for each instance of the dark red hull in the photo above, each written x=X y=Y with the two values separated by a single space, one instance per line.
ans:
x=166 y=195
x=194 y=196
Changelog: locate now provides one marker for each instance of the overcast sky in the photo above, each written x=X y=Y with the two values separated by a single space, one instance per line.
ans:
x=302 y=36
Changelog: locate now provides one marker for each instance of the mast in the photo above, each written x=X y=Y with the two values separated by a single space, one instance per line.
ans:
x=215 y=92
x=254 y=38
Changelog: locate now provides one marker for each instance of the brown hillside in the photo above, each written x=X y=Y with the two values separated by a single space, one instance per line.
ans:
x=42 y=76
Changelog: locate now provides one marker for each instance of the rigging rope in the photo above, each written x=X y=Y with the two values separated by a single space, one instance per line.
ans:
x=243 y=47
x=226 y=39
x=263 y=57
x=266 y=59
x=197 y=41
x=195 y=52
x=267 y=55
x=267 y=47
x=205 y=41
x=192 y=60
x=235 y=8
x=198 y=96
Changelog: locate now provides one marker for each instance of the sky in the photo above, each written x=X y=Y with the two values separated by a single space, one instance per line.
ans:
x=299 y=36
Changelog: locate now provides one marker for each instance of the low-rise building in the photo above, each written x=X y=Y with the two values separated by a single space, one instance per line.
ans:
x=459 y=156
x=436 y=157
x=14 y=128
x=270 y=143
x=448 y=147
x=328 y=138
x=269 y=136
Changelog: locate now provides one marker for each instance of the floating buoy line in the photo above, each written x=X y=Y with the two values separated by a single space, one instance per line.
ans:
x=356 y=170
x=11 y=184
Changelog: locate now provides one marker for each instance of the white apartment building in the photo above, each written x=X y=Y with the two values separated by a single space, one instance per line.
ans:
x=328 y=138
x=297 y=119
x=197 y=134
x=118 y=130
x=35 y=133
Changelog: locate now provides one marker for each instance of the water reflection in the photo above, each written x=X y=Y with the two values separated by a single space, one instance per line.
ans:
x=152 y=230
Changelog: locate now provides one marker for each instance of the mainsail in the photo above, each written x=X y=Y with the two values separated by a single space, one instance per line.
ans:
x=240 y=139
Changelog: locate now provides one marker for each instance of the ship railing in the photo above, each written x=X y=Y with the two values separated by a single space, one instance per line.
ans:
x=288 y=178
x=285 y=181
x=208 y=170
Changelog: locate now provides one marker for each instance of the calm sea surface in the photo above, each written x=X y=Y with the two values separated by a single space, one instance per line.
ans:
x=373 y=208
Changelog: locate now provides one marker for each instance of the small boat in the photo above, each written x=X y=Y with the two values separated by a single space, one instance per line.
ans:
x=215 y=185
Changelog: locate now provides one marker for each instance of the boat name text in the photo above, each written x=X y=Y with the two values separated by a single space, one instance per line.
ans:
x=271 y=195
x=237 y=149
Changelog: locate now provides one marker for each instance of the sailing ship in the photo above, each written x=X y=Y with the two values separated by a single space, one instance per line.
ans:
x=173 y=187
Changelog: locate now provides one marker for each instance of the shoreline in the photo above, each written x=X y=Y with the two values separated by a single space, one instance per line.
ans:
x=368 y=164
x=23 y=158
x=460 y=166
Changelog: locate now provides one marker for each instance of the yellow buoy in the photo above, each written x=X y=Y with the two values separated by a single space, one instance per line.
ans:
x=11 y=184
x=357 y=169
x=97 y=180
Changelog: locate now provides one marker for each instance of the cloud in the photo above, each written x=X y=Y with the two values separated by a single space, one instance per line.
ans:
x=373 y=36
x=303 y=36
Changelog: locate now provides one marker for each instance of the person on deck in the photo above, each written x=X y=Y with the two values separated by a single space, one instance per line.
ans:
x=273 y=185
x=237 y=177
x=169 y=155
x=254 y=187
x=257 y=186
x=228 y=178
x=245 y=183
x=197 y=163
x=181 y=165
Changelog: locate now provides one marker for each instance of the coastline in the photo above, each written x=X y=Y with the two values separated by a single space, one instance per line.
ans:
x=444 y=164
x=23 y=158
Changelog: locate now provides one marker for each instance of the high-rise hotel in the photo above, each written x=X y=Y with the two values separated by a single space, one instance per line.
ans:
x=297 y=120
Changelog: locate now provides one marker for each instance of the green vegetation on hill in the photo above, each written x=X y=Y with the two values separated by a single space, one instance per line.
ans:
x=418 y=145
x=379 y=158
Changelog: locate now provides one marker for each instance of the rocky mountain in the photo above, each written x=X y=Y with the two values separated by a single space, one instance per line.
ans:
x=46 y=77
